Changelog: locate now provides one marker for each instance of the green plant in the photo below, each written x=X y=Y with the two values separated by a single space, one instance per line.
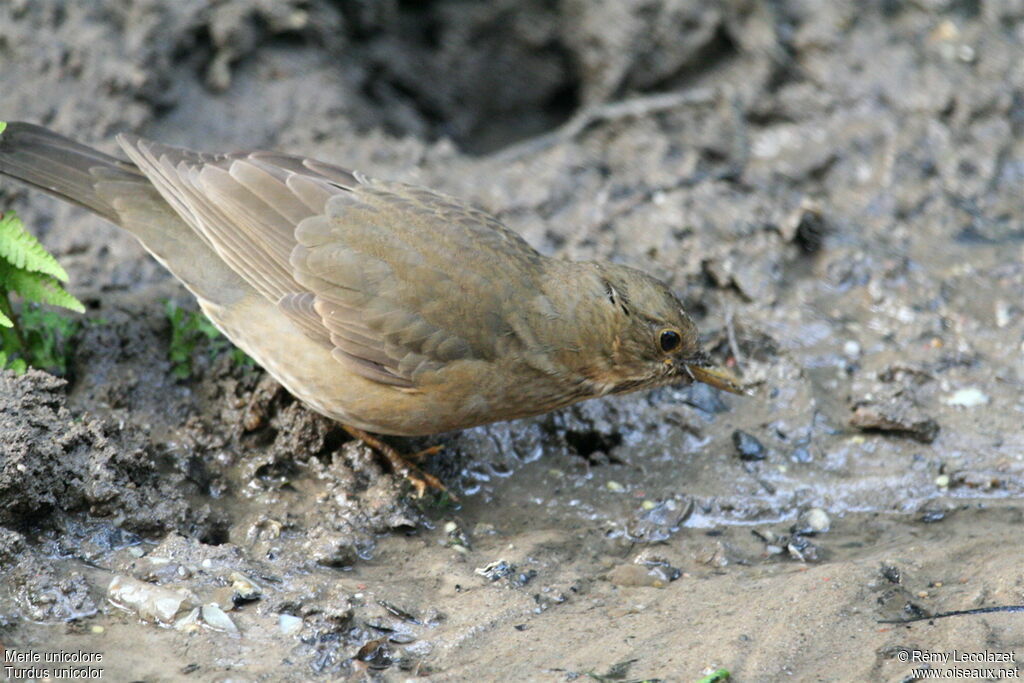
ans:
x=188 y=330
x=30 y=335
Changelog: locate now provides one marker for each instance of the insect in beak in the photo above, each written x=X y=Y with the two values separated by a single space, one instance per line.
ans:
x=719 y=378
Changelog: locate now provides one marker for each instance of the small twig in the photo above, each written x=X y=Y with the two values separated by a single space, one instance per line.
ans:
x=730 y=331
x=637 y=107
x=956 y=613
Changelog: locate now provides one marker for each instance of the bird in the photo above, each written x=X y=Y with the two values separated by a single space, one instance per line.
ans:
x=390 y=308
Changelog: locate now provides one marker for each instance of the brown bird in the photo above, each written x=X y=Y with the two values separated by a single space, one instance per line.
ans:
x=388 y=307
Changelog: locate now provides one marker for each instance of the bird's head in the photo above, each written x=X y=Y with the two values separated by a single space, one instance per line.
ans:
x=651 y=340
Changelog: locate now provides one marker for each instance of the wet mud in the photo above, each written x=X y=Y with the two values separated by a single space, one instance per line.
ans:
x=833 y=190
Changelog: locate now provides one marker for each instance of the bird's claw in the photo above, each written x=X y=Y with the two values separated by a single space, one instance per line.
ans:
x=421 y=481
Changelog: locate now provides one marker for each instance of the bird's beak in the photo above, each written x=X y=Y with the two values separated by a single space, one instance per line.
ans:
x=700 y=369
x=719 y=378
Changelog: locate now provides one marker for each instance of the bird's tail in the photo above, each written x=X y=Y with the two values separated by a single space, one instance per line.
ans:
x=62 y=167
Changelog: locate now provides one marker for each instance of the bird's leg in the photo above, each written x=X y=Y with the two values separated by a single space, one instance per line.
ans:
x=420 y=480
x=421 y=456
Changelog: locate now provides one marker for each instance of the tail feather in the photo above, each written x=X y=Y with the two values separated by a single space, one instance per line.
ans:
x=121 y=193
x=63 y=167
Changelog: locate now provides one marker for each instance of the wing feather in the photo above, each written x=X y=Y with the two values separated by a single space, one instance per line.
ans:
x=377 y=271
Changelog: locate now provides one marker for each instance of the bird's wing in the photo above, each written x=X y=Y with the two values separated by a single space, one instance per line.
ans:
x=396 y=280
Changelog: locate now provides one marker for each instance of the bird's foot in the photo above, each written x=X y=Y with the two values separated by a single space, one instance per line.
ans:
x=421 y=456
x=420 y=480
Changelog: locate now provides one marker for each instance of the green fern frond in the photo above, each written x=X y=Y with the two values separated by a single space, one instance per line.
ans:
x=21 y=249
x=30 y=335
x=37 y=287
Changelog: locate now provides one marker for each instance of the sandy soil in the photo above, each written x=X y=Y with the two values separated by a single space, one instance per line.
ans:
x=832 y=187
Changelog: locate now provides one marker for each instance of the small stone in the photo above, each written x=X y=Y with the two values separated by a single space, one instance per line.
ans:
x=815 y=520
x=897 y=417
x=965 y=53
x=802 y=549
x=289 y=625
x=942 y=481
x=968 y=397
x=657 y=566
x=150 y=602
x=217 y=619
x=136 y=551
x=657 y=522
x=496 y=570
x=747 y=446
x=891 y=573
x=801 y=454
x=946 y=30
x=851 y=349
x=188 y=623
x=1002 y=314
x=243 y=588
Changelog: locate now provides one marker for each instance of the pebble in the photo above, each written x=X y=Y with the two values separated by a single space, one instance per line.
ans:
x=496 y=570
x=802 y=549
x=244 y=589
x=288 y=624
x=658 y=521
x=748 y=447
x=896 y=416
x=657 y=566
x=816 y=520
x=1002 y=314
x=965 y=53
x=188 y=623
x=217 y=619
x=801 y=454
x=968 y=397
x=154 y=603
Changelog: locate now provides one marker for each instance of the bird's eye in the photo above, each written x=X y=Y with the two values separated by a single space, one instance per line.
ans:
x=670 y=340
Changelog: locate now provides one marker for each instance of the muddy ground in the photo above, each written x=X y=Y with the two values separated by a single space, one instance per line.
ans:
x=834 y=190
